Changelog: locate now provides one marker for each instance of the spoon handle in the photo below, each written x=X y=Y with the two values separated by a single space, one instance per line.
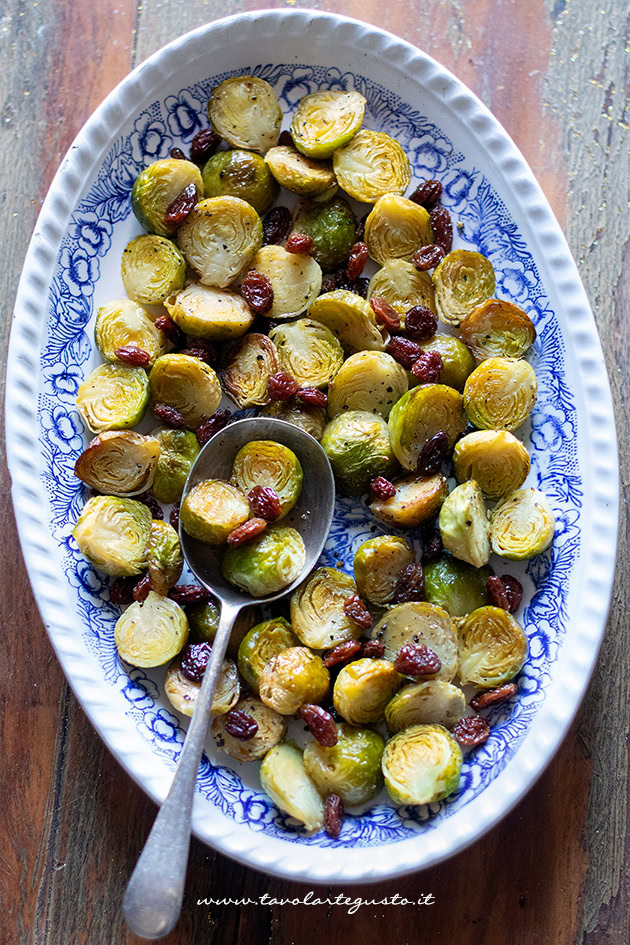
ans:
x=153 y=899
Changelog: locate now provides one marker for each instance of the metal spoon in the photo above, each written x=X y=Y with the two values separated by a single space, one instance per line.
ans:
x=153 y=899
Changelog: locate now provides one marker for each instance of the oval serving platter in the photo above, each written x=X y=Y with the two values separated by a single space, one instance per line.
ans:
x=72 y=267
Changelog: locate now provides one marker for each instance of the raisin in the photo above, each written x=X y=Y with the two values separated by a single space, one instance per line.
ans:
x=333 y=815
x=442 y=228
x=355 y=609
x=428 y=367
x=320 y=723
x=178 y=209
x=166 y=325
x=410 y=584
x=328 y=285
x=373 y=650
x=174 y=516
x=357 y=260
x=471 y=730
x=276 y=225
x=493 y=696
x=265 y=503
x=151 y=503
x=177 y=154
x=142 y=588
x=342 y=281
x=342 y=653
x=285 y=140
x=212 y=425
x=427 y=257
x=415 y=661
x=203 y=145
x=257 y=290
x=121 y=590
x=404 y=350
x=240 y=725
x=432 y=454
x=200 y=349
x=246 y=531
x=132 y=354
x=431 y=542
x=427 y=193
x=497 y=595
x=169 y=415
x=282 y=386
x=382 y=488
x=189 y=594
x=300 y=244
x=195 y=658
x=361 y=286
x=360 y=230
x=514 y=591
x=421 y=323
x=313 y=396
x=385 y=313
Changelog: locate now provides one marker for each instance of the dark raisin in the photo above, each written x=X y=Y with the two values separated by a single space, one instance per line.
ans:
x=257 y=290
x=356 y=260
x=320 y=723
x=442 y=228
x=404 y=350
x=410 y=584
x=355 y=609
x=276 y=225
x=427 y=193
x=427 y=257
x=174 y=516
x=471 y=730
x=433 y=454
x=514 y=591
x=121 y=590
x=200 y=349
x=189 y=594
x=203 y=145
x=431 y=542
x=342 y=281
x=342 y=653
x=360 y=287
x=246 y=531
x=416 y=661
x=333 y=815
x=373 y=650
x=428 y=367
x=282 y=386
x=166 y=325
x=178 y=209
x=421 y=323
x=132 y=354
x=300 y=244
x=497 y=595
x=385 y=313
x=240 y=725
x=265 y=503
x=195 y=658
x=212 y=425
x=170 y=415
x=493 y=696
x=313 y=396
x=382 y=488
x=360 y=230
x=177 y=154
x=285 y=140
x=328 y=285
x=142 y=588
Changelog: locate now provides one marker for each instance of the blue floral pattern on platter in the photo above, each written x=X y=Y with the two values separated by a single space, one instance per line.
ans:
x=486 y=227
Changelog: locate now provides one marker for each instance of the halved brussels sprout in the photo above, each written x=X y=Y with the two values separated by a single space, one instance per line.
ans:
x=497 y=328
x=212 y=509
x=332 y=227
x=203 y=620
x=152 y=632
x=396 y=228
x=213 y=314
x=522 y=524
x=363 y=688
x=419 y=415
x=284 y=779
x=122 y=323
x=462 y=280
x=292 y=678
x=377 y=566
x=403 y=286
x=494 y=458
x=457 y=361
x=272 y=728
x=261 y=644
x=152 y=268
x=219 y=239
x=492 y=647
x=464 y=525
x=421 y=765
x=326 y=121
x=268 y=563
x=317 y=609
x=417 y=499
x=245 y=111
x=308 y=351
x=434 y=702
x=351 y=768
x=187 y=383
x=164 y=557
x=119 y=463
x=178 y=451
x=296 y=280
x=267 y=463
x=182 y=692
x=500 y=394
x=456 y=586
x=372 y=164
x=298 y=173
x=367 y=380
x=351 y=319
x=156 y=188
x=248 y=366
x=240 y=174
x=305 y=416
x=357 y=445
x=112 y=533
x=113 y=397
x=421 y=624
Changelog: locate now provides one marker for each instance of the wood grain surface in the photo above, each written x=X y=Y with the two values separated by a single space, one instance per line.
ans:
x=556 y=871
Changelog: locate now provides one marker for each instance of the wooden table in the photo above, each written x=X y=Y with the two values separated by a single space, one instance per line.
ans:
x=554 y=872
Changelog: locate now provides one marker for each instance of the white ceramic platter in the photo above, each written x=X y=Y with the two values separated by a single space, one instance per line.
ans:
x=72 y=267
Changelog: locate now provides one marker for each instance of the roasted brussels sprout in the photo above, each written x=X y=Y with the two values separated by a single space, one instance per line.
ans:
x=299 y=173
x=522 y=524
x=462 y=281
x=267 y=463
x=182 y=692
x=456 y=586
x=419 y=415
x=296 y=280
x=123 y=323
x=305 y=416
x=464 y=525
x=370 y=381
x=272 y=728
x=240 y=174
x=497 y=328
x=308 y=351
x=400 y=284
x=396 y=228
x=267 y=563
x=152 y=268
x=363 y=688
x=500 y=394
x=112 y=533
x=351 y=319
x=245 y=111
x=332 y=227
x=212 y=509
x=372 y=164
x=494 y=458
x=248 y=366
x=178 y=451
x=213 y=314
x=421 y=624
x=421 y=765
x=292 y=678
x=113 y=397
x=377 y=566
x=156 y=188
x=492 y=647
x=417 y=499
x=119 y=463
x=164 y=557
x=351 y=768
x=357 y=445
x=284 y=779
x=425 y=703
x=152 y=632
x=203 y=620
x=457 y=361
x=261 y=644
x=186 y=383
x=326 y=121
x=317 y=609
x=219 y=239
